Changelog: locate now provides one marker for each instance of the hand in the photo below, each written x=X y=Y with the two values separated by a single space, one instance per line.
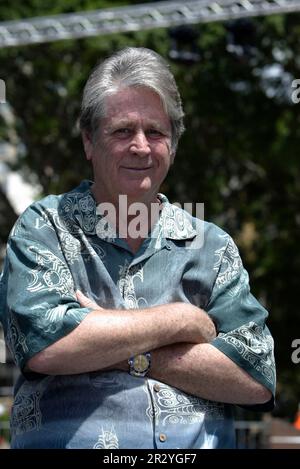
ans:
x=202 y=328
x=85 y=302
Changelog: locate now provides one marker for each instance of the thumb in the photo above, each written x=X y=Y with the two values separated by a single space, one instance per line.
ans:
x=85 y=301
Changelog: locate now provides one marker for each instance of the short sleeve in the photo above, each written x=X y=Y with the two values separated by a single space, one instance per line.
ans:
x=241 y=321
x=38 y=302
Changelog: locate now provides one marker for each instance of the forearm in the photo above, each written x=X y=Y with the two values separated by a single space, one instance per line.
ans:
x=203 y=371
x=106 y=337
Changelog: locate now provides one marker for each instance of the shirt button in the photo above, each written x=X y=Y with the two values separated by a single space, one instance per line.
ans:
x=162 y=437
x=156 y=387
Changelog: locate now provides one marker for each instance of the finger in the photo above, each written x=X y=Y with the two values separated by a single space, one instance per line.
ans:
x=85 y=301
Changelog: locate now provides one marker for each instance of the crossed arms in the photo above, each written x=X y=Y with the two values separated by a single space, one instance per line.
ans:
x=178 y=335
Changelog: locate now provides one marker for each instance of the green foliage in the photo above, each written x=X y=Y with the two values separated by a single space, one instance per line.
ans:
x=16 y=9
x=239 y=154
x=4 y=433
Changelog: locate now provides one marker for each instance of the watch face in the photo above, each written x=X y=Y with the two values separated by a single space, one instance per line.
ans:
x=140 y=363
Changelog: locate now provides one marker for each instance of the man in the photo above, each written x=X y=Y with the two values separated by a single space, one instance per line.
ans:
x=128 y=340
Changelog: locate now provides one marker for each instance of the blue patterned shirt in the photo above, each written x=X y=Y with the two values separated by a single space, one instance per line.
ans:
x=61 y=244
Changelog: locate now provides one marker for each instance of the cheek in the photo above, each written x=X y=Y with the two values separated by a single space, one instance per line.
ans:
x=162 y=148
x=168 y=151
x=169 y=146
x=165 y=154
x=116 y=150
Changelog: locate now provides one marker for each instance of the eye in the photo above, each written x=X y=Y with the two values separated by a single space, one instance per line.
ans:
x=155 y=133
x=123 y=131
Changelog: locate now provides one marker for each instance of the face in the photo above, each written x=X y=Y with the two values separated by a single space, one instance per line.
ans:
x=132 y=154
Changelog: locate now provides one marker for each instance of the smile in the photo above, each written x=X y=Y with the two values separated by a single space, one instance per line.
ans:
x=136 y=169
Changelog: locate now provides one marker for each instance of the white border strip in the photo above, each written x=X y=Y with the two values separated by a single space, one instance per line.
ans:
x=291 y=440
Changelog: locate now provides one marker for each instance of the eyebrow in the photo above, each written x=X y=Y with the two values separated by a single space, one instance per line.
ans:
x=130 y=124
x=120 y=123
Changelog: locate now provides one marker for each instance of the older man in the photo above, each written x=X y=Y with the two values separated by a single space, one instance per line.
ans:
x=127 y=340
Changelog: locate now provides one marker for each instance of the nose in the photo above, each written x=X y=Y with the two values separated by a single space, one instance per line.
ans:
x=139 y=144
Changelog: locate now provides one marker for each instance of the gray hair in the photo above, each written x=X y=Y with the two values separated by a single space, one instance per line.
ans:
x=131 y=67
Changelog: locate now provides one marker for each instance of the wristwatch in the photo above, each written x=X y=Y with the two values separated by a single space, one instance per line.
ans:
x=139 y=365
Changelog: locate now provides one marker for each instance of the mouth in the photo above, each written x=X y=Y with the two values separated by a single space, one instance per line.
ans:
x=132 y=168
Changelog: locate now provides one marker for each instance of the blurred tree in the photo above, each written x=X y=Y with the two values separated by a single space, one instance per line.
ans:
x=238 y=155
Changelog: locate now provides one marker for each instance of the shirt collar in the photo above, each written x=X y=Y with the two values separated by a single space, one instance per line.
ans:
x=174 y=222
x=79 y=207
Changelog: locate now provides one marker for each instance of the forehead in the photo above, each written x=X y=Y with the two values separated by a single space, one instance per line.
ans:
x=135 y=103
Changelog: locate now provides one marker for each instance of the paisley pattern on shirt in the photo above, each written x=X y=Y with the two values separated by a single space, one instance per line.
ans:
x=26 y=413
x=255 y=346
x=78 y=209
x=51 y=274
x=50 y=319
x=169 y=406
x=228 y=263
x=15 y=339
x=173 y=223
x=107 y=439
x=126 y=285
x=73 y=243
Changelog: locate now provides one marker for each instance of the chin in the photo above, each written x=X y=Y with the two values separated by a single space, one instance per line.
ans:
x=136 y=195
x=133 y=190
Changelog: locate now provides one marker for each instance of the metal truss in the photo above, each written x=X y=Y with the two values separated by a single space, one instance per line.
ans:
x=134 y=18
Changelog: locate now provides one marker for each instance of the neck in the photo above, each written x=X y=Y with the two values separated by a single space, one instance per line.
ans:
x=146 y=199
x=133 y=219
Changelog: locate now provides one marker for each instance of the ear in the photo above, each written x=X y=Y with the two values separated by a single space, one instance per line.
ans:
x=87 y=144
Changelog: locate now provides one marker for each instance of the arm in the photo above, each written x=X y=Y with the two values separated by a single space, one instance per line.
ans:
x=197 y=369
x=106 y=337
x=203 y=371
x=237 y=366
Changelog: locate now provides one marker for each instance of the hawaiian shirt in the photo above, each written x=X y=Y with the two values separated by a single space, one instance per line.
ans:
x=61 y=244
